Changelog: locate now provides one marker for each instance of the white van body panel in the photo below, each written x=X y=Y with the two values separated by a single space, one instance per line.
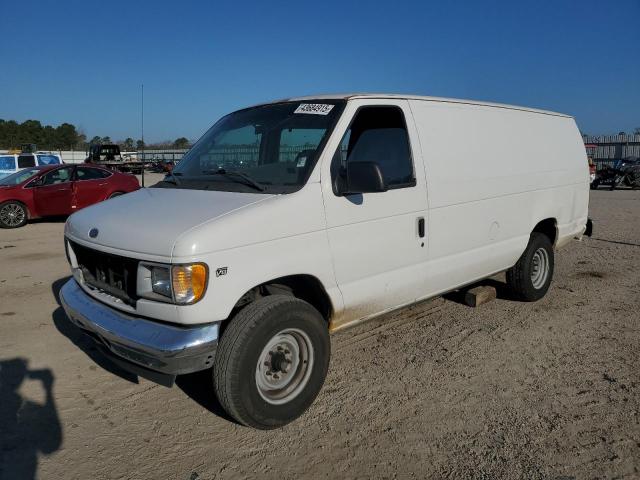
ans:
x=167 y=215
x=492 y=175
x=485 y=174
x=281 y=236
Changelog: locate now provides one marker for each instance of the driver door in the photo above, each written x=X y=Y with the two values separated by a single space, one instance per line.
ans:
x=54 y=194
x=378 y=240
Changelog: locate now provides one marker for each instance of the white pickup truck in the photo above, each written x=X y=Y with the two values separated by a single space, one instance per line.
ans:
x=294 y=219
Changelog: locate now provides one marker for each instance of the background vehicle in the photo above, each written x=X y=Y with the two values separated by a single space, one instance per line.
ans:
x=14 y=163
x=160 y=166
x=290 y=220
x=592 y=173
x=57 y=190
x=48 y=158
x=629 y=173
x=109 y=156
x=624 y=172
x=8 y=165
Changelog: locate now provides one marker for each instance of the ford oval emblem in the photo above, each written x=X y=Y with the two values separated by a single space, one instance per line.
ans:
x=93 y=233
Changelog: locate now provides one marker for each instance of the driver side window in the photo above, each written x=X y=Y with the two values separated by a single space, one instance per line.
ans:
x=377 y=134
x=61 y=175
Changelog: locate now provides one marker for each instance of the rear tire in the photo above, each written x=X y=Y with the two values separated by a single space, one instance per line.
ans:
x=13 y=215
x=529 y=279
x=271 y=361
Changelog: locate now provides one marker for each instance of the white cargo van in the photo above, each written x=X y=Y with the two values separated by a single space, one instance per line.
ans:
x=294 y=219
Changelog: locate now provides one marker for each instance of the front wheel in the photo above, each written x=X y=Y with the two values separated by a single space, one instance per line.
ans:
x=530 y=278
x=13 y=215
x=271 y=361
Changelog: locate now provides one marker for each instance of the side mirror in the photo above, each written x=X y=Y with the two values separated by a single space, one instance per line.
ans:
x=36 y=183
x=363 y=177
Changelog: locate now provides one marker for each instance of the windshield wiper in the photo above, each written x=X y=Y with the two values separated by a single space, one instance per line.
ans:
x=247 y=180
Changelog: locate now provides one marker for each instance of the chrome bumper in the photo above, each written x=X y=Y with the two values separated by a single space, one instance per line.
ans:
x=141 y=345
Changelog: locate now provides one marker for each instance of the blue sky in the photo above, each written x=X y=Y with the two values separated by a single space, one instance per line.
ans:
x=72 y=61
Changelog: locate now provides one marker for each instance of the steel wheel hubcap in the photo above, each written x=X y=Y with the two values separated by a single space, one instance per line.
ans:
x=12 y=215
x=540 y=270
x=284 y=366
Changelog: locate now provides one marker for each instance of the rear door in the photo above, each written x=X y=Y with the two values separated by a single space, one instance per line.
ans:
x=54 y=195
x=378 y=240
x=90 y=186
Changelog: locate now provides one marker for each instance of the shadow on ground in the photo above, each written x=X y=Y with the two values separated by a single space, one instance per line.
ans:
x=81 y=340
x=27 y=428
x=198 y=386
x=502 y=291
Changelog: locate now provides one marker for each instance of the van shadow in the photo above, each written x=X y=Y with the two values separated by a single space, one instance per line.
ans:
x=197 y=386
x=502 y=291
x=55 y=219
x=81 y=340
x=27 y=428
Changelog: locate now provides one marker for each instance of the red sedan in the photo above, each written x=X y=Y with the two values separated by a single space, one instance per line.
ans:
x=58 y=190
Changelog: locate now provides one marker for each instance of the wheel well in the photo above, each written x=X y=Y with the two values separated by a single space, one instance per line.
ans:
x=304 y=287
x=548 y=227
x=21 y=203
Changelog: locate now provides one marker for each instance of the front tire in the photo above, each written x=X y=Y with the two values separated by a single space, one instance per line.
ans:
x=271 y=361
x=13 y=215
x=530 y=278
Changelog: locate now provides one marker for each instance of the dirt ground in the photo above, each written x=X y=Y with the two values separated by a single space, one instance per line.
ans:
x=548 y=390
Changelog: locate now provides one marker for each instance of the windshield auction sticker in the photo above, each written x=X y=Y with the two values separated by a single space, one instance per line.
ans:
x=314 y=108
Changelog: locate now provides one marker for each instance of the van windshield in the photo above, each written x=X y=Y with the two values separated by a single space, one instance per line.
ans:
x=8 y=163
x=266 y=149
x=48 y=160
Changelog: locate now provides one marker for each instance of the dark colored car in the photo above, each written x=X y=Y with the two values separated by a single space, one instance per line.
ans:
x=57 y=190
x=624 y=172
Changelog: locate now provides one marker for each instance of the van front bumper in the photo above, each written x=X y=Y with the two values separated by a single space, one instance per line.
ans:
x=151 y=349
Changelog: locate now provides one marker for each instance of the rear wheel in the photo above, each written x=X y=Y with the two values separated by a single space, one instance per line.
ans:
x=272 y=361
x=530 y=278
x=13 y=215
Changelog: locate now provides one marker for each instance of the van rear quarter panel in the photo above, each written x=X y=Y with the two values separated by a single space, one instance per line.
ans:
x=492 y=174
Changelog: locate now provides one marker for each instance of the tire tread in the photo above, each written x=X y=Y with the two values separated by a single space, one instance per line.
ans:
x=240 y=328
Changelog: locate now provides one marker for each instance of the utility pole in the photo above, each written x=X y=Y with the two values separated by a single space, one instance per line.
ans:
x=142 y=129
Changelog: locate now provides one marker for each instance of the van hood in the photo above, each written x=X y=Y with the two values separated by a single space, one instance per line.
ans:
x=148 y=221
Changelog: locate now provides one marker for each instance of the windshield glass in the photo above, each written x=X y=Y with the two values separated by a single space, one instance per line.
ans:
x=19 y=177
x=48 y=160
x=269 y=149
x=8 y=163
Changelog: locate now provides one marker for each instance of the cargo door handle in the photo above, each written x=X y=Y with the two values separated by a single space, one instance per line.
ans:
x=421 y=227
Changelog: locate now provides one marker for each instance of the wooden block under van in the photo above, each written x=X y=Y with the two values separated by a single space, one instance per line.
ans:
x=479 y=295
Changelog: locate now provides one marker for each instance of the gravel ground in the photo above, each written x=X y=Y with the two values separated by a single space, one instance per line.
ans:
x=547 y=390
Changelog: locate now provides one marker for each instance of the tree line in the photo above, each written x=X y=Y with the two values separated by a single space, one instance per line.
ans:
x=67 y=137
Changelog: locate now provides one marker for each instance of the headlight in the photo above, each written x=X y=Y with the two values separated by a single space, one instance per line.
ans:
x=161 y=281
x=180 y=284
x=189 y=282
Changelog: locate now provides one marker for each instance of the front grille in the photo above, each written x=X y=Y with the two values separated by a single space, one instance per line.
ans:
x=110 y=273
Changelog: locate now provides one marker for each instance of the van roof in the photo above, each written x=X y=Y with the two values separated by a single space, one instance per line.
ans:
x=347 y=96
